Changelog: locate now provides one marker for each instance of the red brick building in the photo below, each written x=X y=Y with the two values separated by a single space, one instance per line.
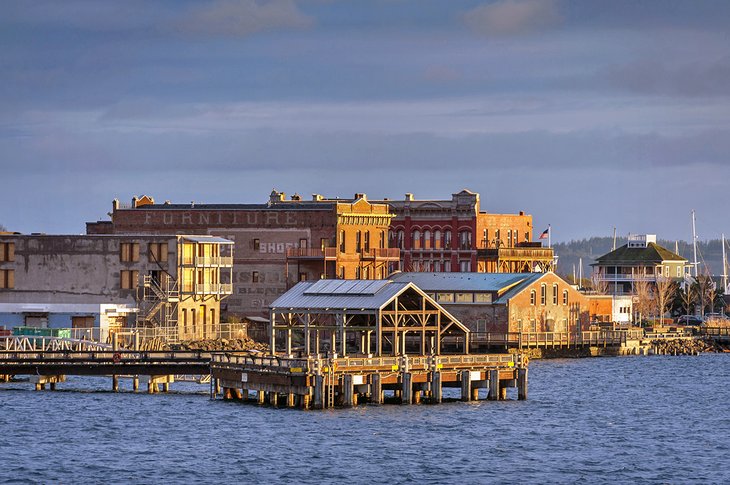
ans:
x=277 y=243
x=456 y=236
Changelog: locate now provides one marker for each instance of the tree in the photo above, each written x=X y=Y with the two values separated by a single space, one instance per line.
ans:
x=644 y=297
x=665 y=290
x=705 y=292
x=3 y=228
x=598 y=284
x=686 y=297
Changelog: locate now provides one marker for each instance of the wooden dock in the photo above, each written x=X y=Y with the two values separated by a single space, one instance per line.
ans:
x=317 y=382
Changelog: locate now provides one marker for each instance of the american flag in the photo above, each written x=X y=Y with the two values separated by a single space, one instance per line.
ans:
x=545 y=233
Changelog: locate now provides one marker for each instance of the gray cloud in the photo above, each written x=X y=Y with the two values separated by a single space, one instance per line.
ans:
x=513 y=17
x=230 y=18
x=652 y=76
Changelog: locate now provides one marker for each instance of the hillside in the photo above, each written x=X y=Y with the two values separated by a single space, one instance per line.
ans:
x=708 y=252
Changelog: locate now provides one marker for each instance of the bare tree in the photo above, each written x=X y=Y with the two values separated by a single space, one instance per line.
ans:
x=644 y=297
x=705 y=293
x=3 y=228
x=665 y=290
x=687 y=297
x=598 y=284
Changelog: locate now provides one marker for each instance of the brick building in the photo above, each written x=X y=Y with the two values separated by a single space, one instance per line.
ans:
x=172 y=285
x=506 y=302
x=456 y=236
x=277 y=243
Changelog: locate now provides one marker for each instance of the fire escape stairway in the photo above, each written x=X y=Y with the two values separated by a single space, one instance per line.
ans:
x=155 y=299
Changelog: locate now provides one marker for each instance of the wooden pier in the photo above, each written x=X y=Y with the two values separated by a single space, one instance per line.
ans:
x=318 y=383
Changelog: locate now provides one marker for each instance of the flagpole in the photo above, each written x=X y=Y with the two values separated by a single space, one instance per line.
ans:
x=550 y=235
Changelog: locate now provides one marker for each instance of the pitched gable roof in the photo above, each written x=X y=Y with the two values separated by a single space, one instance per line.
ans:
x=652 y=253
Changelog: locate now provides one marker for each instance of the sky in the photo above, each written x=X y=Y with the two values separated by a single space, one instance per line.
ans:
x=589 y=115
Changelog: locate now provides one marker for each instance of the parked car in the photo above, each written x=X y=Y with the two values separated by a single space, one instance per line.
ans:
x=690 y=320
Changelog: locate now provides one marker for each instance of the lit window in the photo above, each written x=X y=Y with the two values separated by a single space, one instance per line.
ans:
x=532 y=297
x=543 y=294
x=565 y=297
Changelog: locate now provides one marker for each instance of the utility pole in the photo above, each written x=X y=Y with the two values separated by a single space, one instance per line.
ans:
x=724 y=267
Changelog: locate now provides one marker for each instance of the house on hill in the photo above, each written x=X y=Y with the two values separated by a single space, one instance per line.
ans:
x=641 y=259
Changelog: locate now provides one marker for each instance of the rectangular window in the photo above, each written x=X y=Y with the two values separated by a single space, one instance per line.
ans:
x=302 y=276
x=303 y=243
x=367 y=240
x=358 y=241
x=445 y=297
x=481 y=325
x=158 y=253
x=342 y=241
x=679 y=271
x=533 y=325
x=555 y=294
x=465 y=266
x=483 y=297
x=7 y=279
x=543 y=294
x=565 y=297
x=129 y=252
x=254 y=277
x=7 y=252
x=464 y=298
x=128 y=279
x=257 y=245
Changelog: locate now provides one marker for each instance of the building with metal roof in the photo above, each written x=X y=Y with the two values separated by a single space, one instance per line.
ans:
x=362 y=317
x=505 y=302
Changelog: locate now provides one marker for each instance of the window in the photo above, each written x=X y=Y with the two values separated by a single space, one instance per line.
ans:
x=447 y=266
x=399 y=238
x=358 y=241
x=437 y=239
x=543 y=294
x=481 y=325
x=158 y=253
x=465 y=240
x=485 y=238
x=496 y=238
x=437 y=266
x=464 y=298
x=129 y=279
x=302 y=276
x=366 y=273
x=533 y=325
x=509 y=238
x=447 y=239
x=465 y=266
x=416 y=239
x=7 y=279
x=482 y=297
x=445 y=297
x=367 y=241
x=303 y=243
x=7 y=251
x=527 y=236
x=679 y=271
x=555 y=294
x=357 y=273
x=533 y=296
x=342 y=272
x=257 y=245
x=381 y=245
x=565 y=297
x=254 y=277
x=666 y=271
x=342 y=241
x=322 y=242
x=427 y=239
x=129 y=252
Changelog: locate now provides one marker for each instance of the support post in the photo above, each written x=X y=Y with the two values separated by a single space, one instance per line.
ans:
x=436 y=391
x=318 y=392
x=348 y=389
x=291 y=400
x=115 y=382
x=407 y=389
x=135 y=382
x=376 y=389
x=273 y=398
x=465 y=385
x=493 y=385
x=522 y=384
x=260 y=397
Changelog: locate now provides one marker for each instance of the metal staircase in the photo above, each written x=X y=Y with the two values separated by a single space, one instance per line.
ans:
x=158 y=305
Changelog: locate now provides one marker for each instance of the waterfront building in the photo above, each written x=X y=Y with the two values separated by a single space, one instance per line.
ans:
x=277 y=244
x=170 y=285
x=506 y=302
x=455 y=235
x=640 y=259
x=617 y=309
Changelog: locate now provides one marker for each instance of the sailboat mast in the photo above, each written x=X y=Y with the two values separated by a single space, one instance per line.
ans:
x=694 y=242
x=724 y=266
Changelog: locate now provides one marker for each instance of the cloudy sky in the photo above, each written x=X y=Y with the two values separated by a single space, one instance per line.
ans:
x=586 y=114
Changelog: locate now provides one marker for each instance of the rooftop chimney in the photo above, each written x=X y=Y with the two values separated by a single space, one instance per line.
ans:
x=409 y=197
x=360 y=196
x=296 y=197
x=317 y=197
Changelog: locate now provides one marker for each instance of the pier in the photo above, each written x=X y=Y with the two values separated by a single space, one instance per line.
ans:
x=318 y=383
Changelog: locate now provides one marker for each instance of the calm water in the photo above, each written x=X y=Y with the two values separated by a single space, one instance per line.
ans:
x=631 y=419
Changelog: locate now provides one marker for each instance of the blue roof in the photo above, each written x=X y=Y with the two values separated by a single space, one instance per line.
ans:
x=340 y=294
x=509 y=283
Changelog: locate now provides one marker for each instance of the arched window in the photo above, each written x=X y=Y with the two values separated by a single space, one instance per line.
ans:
x=565 y=297
x=543 y=293
x=416 y=244
x=555 y=294
x=382 y=240
x=532 y=297
x=437 y=239
x=465 y=240
x=447 y=239
x=427 y=239
x=400 y=237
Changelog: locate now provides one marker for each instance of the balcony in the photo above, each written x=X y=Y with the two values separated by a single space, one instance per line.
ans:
x=385 y=254
x=329 y=254
x=524 y=254
x=208 y=289
x=213 y=261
